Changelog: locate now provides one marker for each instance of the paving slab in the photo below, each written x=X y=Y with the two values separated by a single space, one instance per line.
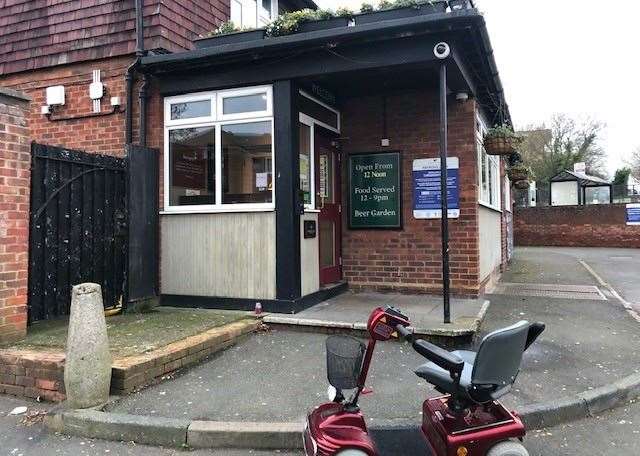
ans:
x=277 y=376
x=351 y=310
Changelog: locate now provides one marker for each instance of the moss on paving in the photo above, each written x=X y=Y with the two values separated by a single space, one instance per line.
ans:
x=131 y=334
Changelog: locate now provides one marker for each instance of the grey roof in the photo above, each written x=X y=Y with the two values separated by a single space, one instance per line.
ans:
x=584 y=179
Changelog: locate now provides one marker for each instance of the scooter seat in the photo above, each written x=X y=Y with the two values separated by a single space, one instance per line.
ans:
x=441 y=378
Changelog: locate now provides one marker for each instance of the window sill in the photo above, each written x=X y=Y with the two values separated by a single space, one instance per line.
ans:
x=489 y=206
x=311 y=211
x=216 y=211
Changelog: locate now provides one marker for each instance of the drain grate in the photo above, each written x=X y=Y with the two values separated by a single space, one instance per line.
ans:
x=550 y=291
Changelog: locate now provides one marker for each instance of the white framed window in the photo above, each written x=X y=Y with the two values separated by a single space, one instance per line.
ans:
x=307 y=162
x=217 y=162
x=489 y=185
x=313 y=114
x=242 y=103
x=507 y=194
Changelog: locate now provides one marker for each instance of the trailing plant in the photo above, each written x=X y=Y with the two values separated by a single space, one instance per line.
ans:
x=519 y=172
x=289 y=22
x=501 y=140
x=344 y=12
x=224 y=28
x=366 y=8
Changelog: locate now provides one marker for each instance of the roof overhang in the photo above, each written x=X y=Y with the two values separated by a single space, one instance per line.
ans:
x=394 y=44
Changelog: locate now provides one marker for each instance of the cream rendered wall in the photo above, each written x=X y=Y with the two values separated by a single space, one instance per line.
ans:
x=222 y=255
x=309 y=257
x=490 y=240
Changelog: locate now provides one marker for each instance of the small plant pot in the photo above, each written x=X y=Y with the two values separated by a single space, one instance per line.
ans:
x=501 y=145
x=400 y=13
x=457 y=5
x=521 y=184
x=230 y=38
x=324 y=24
x=517 y=174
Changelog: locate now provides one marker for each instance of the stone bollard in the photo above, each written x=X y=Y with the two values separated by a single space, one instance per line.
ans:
x=87 y=368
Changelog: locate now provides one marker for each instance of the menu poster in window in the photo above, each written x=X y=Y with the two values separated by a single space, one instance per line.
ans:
x=427 y=193
x=375 y=191
x=189 y=167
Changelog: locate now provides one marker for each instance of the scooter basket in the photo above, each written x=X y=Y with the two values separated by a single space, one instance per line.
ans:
x=344 y=361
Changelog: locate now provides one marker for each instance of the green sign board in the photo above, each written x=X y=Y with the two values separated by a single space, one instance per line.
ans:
x=374 y=191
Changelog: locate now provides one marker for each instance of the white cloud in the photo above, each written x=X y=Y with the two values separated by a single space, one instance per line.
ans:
x=578 y=57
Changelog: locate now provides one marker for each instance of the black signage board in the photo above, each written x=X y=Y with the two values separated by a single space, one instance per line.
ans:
x=375 y=192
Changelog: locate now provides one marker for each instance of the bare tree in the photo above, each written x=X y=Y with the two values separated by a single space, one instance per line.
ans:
x=548 y=150
x=634 y=162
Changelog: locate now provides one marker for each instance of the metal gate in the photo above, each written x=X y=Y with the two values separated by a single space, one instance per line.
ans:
x=78 y=228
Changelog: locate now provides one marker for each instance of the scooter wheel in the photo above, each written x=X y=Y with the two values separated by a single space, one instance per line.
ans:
x=352 y=453
x=508 y=448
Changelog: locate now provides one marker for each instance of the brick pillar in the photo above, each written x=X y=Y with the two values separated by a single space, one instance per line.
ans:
x=15 y=161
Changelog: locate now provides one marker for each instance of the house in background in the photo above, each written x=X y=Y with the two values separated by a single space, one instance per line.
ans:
x=572 y=188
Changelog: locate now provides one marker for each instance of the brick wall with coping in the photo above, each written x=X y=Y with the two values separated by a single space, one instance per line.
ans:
x=15 y=162
x=26 y=373
x=409 y=260
x=575 y=226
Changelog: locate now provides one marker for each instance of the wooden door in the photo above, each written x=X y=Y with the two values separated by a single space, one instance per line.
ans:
x=328 y=200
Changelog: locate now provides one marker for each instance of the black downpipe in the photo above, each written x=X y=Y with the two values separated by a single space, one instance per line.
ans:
x=443 y=192
x=131 y=70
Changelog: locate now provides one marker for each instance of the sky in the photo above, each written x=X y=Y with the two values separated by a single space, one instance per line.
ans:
x=577 y=57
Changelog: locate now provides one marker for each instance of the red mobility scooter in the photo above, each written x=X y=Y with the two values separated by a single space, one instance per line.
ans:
x=467 y=420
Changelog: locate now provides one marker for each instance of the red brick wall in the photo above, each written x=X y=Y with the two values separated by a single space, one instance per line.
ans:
x=410 y=259
x=15 y=159
x=102 y=134
x=575 y=226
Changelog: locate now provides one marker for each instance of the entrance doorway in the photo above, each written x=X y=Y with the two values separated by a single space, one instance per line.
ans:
x=328 y=201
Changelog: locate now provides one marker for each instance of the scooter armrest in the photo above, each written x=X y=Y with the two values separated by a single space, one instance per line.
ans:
x=443 y=358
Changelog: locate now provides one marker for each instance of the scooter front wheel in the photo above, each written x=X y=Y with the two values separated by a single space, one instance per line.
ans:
x=352 y=453
x=508 y=448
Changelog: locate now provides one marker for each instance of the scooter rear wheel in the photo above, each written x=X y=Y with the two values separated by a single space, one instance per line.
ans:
x=352 y=453
x=508 y=448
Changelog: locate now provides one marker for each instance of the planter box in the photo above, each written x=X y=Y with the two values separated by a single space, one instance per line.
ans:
x=230 y=38
x=399 y=13
x=501 y=145
x=517 y=174
x=324 y=24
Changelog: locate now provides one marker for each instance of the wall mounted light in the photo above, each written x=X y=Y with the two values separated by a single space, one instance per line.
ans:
x=462 y=96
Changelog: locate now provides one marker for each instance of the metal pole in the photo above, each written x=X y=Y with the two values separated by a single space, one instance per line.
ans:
x=443 y=193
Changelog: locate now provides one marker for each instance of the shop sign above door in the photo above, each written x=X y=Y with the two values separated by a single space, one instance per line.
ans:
x=426 y=188
x=375 y=191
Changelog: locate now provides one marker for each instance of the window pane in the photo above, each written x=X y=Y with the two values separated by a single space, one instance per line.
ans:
x=305 y=163
x=192 y=166
x=327 y=246
x=597 y=195
x=246 y=163
x=191 y=109
x=266 y=4
x=245 y=103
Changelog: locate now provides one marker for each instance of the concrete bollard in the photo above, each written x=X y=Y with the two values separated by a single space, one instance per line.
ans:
x=87 y=369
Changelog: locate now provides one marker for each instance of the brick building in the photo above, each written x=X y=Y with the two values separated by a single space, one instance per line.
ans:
x=265 y=143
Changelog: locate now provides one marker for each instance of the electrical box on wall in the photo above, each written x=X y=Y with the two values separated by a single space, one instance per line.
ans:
x=96 y=90
x=55 y=95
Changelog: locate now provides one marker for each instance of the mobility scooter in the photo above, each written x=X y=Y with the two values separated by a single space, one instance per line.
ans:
x=467 y=420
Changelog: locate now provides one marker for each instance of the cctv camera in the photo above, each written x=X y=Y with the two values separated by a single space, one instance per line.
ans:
x=442 y=50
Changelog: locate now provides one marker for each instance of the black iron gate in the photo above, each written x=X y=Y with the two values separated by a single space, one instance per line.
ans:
x=78 y=229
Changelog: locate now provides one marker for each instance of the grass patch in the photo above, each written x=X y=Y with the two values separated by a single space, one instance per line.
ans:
x=132 y=334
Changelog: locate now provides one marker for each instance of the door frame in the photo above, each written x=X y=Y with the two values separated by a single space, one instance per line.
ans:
x=330 y=136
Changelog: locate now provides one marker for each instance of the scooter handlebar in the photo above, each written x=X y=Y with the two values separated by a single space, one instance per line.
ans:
x=404 y=332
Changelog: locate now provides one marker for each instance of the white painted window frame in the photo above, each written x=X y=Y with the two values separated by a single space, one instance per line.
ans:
x=217 y=121
x=491 y=195
x=309 y=122
x=221 y=95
